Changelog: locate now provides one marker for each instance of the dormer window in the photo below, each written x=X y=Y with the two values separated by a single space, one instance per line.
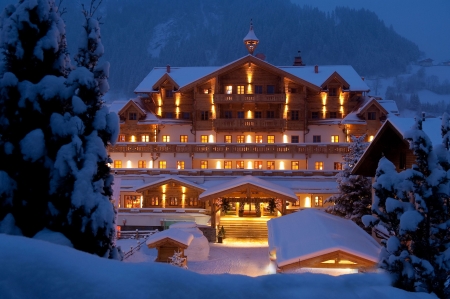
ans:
x=371 y=115
x=132 y=116
x=332 y=92
x=169 y=93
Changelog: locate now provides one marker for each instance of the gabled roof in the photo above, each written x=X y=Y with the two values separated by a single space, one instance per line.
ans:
x=249 y=181
x=386 y=106
x=164 y=78
x=187 y=77
x=171 y=179
x=177 y=236
x=370 y=103
x=121 y=106
x=132 y=102
x=334 y=76
x=317 y=233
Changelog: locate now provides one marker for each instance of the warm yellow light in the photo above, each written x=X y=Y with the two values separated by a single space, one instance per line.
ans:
x=163 y=203
x=213 y=111
x=183 y=189
x=129 y=164
x=159 y=100
x=218 y=166
x=341 y=98
x=324 y=98
x=370 y=137
x=211 y=138
x=133 y=138
x=150 y=164
x=177 y=110
x=285 y=113
x=249 y=114
x=324 y=111
x=341 y=109
x=159 y=111
x=164 y=188
x=307 y=202
x=177 y=99
x=249 y=139
x=249 y=165
x=142 y=199
x=285 y=138
x=282 y=165
x=183 y=200
x=249 y=89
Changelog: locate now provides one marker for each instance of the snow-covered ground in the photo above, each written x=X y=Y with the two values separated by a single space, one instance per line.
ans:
x=33 y=268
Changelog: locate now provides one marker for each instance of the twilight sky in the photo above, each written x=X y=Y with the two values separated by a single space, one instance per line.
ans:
x=426 y=23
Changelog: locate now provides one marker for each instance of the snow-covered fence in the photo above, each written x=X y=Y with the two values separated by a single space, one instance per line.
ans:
x=141 y=237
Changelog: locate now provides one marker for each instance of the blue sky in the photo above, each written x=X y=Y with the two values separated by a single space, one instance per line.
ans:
x=426 y=23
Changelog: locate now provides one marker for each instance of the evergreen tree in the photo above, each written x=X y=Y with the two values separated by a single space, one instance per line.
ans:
x=31 y=88
x=411 y=206
x=81 y=170
x=354 y=198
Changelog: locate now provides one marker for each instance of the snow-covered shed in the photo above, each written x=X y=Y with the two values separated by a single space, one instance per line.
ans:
x=168 y=242
x=312 y=238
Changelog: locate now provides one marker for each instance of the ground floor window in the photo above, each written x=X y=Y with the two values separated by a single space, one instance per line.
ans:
x=192 y=201
x=180 y=164
x=295 y=165
x=319 y=165
x=270 y=165
x=227 y=165
x=162 y=164
x=117 y=164
x=318 y=201
x=240 y=139
x=141 y=164
x=337 y=166
x=132 y=201
x=257 y=164
x=204 y=164
x=240 y=164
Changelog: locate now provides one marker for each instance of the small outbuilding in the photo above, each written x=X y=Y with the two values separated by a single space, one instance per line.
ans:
x=312 y=240
x=168 y=242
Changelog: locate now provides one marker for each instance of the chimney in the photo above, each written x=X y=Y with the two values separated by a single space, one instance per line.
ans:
x=168 y=68
x=298 y=60
x=316 y=69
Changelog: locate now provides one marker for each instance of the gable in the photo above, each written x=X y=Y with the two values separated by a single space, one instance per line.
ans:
x=131 y=106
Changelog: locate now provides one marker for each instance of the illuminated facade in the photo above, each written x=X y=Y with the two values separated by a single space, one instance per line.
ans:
x=193 y=129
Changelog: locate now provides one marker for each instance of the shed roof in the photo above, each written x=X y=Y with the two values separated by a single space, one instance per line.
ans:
x=317 y=233
x=177 y=235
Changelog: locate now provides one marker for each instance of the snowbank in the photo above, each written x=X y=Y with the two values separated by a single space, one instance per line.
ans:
x=38 y=269
x=198 y=250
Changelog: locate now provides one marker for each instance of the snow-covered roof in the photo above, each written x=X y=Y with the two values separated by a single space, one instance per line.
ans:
x=317 y=233
x=251 y=35
x=177 y=235
x=150 y=117
x=248 y=179
x=181 y=75
x=347 y=72
x=431 y=127
x=171 y=177
x=390 y=106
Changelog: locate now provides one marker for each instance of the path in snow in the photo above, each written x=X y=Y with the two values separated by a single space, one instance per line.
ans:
x=234 y=256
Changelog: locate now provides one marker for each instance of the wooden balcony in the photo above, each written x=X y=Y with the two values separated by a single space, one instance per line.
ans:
x=242 y=148
x=249 y=98
x=250 y=125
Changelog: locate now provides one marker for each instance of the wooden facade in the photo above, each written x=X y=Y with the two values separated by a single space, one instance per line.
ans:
x=166 y=249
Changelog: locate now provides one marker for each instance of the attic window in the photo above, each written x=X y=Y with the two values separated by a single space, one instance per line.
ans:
x=332 y=92
x=169 y=93
x=132 y=116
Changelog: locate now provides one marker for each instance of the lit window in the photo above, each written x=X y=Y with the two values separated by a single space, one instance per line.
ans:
x=318 y=201
x=173 y=201
x=155 y=201
x=271 y=139
x=334 y=138
x=257 y=165
x=204 y=138
x=132 y=201
x=295 y=165
x=258 y=139
x=370 y=138
x=203 y=164
x=192 y=201
x=117 y=164
x=240 y=164
x=132 y=116
x=227 y=138
x=319 y=165
x=294 y=139
x=258 y=89
x=141 y=164
x=240 y=89
x=121 y=137
x=240 y=139
x=145 y=138
x=166 y=138
x=162 y=164
x=270 y=165
x=205 y=91
x=229 y=89
x=317 y=138
x=371 y=115
x=180 y=164
x=337 y=166
x=227 y=165
x=183 y=138
x=133 y=138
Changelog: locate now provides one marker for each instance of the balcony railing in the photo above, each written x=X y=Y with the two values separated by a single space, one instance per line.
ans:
x=256 y=124
x=249 y=98
x=243 y=148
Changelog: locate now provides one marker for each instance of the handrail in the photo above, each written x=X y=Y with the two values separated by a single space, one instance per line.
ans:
x=139 y=244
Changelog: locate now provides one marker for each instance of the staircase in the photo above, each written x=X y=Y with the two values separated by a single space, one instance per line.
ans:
x=245 y=228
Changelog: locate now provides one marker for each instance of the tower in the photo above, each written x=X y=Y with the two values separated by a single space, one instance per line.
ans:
x=250 y=40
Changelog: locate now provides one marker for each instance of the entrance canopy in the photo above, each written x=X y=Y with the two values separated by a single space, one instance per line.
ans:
x=247 y=187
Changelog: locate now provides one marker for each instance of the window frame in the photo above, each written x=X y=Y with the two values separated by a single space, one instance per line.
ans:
x=203 y=138
x=165 y=138
x=318 y=165
x=317 y=138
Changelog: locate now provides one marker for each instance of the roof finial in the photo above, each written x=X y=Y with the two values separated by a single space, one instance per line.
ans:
x=250 y=40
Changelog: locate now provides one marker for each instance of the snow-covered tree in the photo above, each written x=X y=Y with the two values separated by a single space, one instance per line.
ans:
x=354 y=198
x=81 y=171
x=412 y=208
x=178 y=260
x=32 y=77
